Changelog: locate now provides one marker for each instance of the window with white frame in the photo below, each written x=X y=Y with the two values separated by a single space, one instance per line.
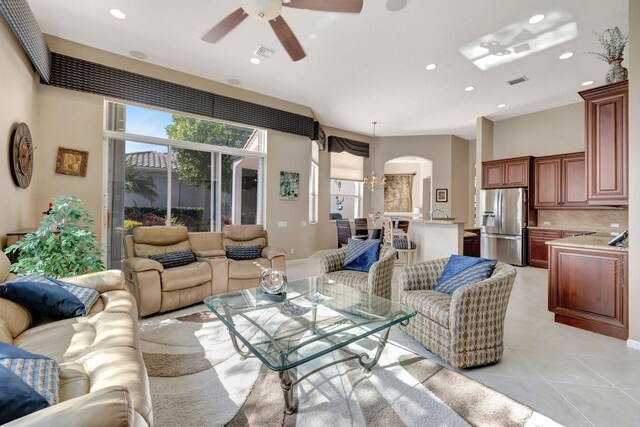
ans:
x=346 y=199
x=313 y=184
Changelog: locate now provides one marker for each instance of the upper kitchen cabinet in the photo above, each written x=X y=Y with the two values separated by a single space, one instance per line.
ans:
x=560 y=181
x=607 y=145
x=506 y=173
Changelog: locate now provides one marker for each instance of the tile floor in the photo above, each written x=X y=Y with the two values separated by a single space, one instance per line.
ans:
x=572 y=376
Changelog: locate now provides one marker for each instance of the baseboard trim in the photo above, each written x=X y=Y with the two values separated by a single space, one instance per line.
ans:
x=633 y=344
x=297 y=261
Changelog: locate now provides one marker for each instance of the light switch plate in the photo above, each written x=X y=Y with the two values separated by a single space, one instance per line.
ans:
x=303 y=224
x=614 y=233
x=282 y=224
x=546 y=223
x=615 y=225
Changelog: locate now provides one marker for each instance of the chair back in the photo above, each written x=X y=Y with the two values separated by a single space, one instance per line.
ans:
x=403 y=225
x=333 y=216
x=362 y=228
x=344 y=231
x=387 y=231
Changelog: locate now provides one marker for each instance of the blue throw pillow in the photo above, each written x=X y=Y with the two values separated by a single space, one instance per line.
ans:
x=175 y=259
x=29 y=382
x=240 y=253
x=361 y=254
x=49 y=296
x=457 y=263
x=473 y=274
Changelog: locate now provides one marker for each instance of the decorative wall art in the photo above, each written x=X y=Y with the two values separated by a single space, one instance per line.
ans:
x=22 y=156
x=72 y=162
x=289 y=185
x=442 y=195
x=397 y=193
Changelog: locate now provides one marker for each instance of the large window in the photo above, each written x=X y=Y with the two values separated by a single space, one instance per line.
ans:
x=346 y=199
x=167 y=168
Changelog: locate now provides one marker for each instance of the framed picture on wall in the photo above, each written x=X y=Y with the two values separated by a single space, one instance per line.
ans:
x=72 y=162
x=289 y=185
x=442 y=195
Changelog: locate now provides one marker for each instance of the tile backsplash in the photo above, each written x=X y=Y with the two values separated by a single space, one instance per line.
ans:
x=599 y=220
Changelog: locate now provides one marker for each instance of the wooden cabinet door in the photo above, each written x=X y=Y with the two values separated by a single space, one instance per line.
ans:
x=607 y=145
x=516 y=173
x=538 y=249
x=547 y=191
x=586 y=289
x=574 y=181
x=493 y=175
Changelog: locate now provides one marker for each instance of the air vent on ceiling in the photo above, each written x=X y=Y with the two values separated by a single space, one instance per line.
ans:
x=518 y=80
x=265 y=52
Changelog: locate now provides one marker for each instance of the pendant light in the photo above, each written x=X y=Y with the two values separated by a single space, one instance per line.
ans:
x=372 y=182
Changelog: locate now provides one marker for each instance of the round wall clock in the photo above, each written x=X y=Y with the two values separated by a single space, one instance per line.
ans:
x=22 y=156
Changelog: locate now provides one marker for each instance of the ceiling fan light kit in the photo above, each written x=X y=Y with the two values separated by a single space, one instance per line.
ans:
x=270 y=10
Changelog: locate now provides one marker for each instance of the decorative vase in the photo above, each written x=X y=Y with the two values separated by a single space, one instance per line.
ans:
x=617 y=73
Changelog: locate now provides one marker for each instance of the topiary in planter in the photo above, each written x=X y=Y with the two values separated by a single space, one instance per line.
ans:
x=63 y=245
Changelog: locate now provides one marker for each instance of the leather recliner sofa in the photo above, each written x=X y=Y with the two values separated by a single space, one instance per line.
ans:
x=160 y=289
x=103 y=379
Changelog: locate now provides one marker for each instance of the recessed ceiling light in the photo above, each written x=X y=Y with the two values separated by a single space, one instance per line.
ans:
x=431 y=67
x=501 y=105
x=117 y=13
x=138 y=55
x=469 y=88
x=234 y=82
x=255 y=61
x=396 y=5
x=587 y=83
x=536 y=18
x=566 y=55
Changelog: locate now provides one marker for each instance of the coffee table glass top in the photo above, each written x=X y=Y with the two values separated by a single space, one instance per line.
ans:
x=318 y=316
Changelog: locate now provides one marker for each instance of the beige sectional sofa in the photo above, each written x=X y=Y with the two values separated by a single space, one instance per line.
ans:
x=158 y=289
x=103 y=379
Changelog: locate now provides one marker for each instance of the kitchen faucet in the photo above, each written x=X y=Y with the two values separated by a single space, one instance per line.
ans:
x=437 y=210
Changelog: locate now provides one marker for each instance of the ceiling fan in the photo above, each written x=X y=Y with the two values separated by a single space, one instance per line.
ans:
x=269 y=10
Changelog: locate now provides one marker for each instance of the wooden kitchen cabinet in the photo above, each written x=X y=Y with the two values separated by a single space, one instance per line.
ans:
x=471 y=245
x=506 y=173
x=559 y=181
x=588 y=289
x=538 y=250
x=607 y=145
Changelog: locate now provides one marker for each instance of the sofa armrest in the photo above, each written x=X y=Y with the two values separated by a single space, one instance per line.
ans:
x=107 y=407
x=269 y=252
x=102 y=281
x=139 y=265
x=333 y=261
x=422 y=276
x=210 y=253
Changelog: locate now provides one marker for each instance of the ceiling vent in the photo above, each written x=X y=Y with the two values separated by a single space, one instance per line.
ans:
x=518 y=80
x=265 y=52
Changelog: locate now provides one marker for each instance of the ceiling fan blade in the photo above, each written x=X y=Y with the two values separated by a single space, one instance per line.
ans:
x=225 y=26
x=287 y=38
x=346 y=6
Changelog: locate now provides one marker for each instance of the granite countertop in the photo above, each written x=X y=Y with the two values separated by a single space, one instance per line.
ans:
x=592 y=241
x=470 y=234
x=438 y=221
x=548 y=227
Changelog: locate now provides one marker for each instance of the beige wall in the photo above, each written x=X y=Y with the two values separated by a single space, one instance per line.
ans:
x=484 y=151
x=555 y=131
x=18 y=91
x=459 y=192
x=472 y=188
x=634 y=172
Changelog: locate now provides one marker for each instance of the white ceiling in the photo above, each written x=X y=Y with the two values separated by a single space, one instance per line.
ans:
x=361 y=68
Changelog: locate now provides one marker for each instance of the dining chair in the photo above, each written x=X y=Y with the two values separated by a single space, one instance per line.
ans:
x=344 y=231
x=362 y=227
x=399 y=240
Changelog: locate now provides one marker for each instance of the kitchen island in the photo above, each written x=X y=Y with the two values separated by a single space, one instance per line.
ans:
x=436 y=238
x=588 y=284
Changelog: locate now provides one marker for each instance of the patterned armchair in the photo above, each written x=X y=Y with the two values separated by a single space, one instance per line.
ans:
x=377 y=281
x=466 y=328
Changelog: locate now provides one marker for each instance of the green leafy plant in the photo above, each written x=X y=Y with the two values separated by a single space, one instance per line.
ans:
x=63 y=245
x=613 y=42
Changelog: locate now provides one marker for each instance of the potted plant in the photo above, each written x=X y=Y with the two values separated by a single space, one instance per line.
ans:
x=63 y=245
x=613 y=42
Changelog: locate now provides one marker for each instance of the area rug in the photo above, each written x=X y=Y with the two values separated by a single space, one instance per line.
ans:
x=197 y=379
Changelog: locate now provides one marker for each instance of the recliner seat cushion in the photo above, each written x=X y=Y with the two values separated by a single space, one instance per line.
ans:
x=185 y=276
x=249 y=269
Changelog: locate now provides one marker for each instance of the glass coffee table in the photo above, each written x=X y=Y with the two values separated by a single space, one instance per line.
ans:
x=318 y=316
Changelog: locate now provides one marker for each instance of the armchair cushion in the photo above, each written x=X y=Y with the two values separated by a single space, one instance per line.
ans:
x=185 y=276
x=432 y=304
x=361 y=254
x=50 y=296
x=174 y=259
x=17 y=399
x=248 y=269
x=474 y=274
x=243 y=252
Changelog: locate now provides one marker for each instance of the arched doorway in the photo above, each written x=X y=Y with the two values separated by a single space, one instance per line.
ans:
x=408 y=191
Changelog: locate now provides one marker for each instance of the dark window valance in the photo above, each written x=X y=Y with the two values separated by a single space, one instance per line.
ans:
x=357 y=148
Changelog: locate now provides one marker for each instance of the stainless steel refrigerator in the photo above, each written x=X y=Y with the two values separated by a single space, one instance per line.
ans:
x=503 y=213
